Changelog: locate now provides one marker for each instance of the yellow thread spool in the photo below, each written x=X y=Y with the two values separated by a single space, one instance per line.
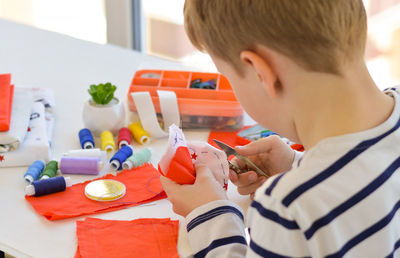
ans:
x=140 y=135
x=107 y=141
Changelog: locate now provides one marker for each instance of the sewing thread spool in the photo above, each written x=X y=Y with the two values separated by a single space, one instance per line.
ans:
x=140 y=135
x=97 y=153
x=119 y=157
x=124 y=137
x=105 y=190
x=34 y=171
x=137 y=159
x=48 y=186
x=50 y=170
x=107 y=141
x=80 y=165
x=86 y=139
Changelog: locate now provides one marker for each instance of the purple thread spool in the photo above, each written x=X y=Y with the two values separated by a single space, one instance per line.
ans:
x=80 y=165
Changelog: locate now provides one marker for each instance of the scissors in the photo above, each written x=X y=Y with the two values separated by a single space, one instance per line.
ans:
x=230 y=151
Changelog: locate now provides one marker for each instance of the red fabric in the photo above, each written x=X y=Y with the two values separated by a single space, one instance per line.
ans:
x=181 y=168
x=232 y=139
x=6 y=99
x=297 y=147
x=142 y=186
x=137 y=238
x=229 y=138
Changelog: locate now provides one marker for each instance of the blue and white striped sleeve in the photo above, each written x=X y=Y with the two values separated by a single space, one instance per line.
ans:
x=274 y=232
x=217 y=230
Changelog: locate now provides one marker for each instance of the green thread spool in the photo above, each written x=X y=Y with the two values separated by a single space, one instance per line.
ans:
x=137 y=159
x=50 y=170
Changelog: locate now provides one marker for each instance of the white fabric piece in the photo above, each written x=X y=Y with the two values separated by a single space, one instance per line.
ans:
x=46 y=97
x=21 y=110
x=202 y=153
x=176 y=139
x=207 y=155
x=35 y=145
x=147 y=113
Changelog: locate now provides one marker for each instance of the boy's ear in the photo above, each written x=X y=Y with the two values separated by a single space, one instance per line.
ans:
x=263 y=70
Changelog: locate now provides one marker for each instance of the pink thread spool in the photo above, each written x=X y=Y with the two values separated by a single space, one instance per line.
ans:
x=80 y=165
x=124 y=137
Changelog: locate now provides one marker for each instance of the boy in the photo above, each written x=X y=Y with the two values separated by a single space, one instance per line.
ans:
x=297 y=68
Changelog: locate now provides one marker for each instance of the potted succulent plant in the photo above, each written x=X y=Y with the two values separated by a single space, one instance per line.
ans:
x=103 y=111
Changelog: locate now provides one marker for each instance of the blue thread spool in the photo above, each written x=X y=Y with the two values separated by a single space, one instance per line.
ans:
x=34 y=171
x=86 y=139
x=48 y=186
x=137 y=159
x=119 y=157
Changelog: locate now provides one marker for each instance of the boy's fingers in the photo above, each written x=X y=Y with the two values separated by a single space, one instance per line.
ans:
x=238 y=162
x=203 y=172
x=233 y=176
x=169 y=185
x=260 y=146
x=249 y=189
x=246 y=179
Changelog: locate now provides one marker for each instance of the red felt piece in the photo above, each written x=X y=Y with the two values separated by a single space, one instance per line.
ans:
x=155 y=238
x=142 y=186
x=181 y=168
x=6 y=99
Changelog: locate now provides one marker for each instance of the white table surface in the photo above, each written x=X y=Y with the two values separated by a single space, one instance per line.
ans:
x=45 y=59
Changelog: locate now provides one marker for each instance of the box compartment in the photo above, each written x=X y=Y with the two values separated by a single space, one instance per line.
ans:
x=216 y=109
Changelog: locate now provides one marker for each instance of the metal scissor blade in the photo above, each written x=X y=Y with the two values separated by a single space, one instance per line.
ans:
x=230 y=151
x=225 y=148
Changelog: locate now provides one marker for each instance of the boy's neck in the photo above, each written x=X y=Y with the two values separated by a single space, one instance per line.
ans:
x=328 y=105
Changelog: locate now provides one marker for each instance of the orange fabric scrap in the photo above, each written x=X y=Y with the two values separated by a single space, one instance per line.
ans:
x=6 y=99
x=229 y=138
x=233 y=139
x=155 y=238
x=142 y=186
x=181 y=169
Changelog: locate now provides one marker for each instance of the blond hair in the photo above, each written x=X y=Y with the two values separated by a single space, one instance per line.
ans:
x=319 y=35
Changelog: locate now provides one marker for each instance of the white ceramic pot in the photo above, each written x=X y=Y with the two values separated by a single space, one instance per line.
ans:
x=99 y=118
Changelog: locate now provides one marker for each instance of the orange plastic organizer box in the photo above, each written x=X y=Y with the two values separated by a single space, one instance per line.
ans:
x=199 y=107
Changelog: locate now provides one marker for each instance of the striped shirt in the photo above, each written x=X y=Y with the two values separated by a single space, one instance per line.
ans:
x=341 y=199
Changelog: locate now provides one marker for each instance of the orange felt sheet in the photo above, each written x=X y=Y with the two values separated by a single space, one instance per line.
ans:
x=232 y=139
x=142 y=186
x=6 y=99
x=181 y=169
x=152 y=238
x=229 y=138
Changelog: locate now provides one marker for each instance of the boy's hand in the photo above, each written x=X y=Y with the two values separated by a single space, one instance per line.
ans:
x=270 y=154
x=185 y=198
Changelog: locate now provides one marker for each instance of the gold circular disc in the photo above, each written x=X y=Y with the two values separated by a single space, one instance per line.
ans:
x=105 y=190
